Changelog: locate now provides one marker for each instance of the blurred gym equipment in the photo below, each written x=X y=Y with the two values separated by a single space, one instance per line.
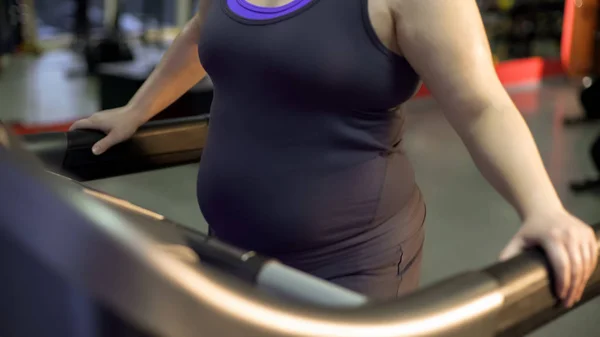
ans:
x=593 y=183
x=118 y=83
x=579 y=33
x=10 y=28
x=111 y=47
x=585 y=56
x=523 y=28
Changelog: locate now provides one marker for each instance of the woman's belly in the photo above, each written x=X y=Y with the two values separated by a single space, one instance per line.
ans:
x=275 y=208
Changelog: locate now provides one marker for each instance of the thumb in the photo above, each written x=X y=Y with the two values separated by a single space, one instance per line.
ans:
x=104 y=144
x=514 y=247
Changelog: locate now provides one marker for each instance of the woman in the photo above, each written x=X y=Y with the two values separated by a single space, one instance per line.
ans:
x=303 y=158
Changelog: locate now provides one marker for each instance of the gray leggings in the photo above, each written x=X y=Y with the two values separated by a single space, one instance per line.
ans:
x=392 y=281
x=385 y=267
x=388 y=265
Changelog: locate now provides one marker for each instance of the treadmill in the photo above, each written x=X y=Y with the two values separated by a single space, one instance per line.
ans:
x=79 y=262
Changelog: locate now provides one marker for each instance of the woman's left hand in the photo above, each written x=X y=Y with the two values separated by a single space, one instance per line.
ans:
x=570 y=245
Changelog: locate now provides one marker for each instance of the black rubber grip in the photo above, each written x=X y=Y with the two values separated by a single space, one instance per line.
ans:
x=156 y=145
x=245 y=265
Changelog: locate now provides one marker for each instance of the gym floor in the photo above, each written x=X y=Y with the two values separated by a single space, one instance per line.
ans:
x=467 y=224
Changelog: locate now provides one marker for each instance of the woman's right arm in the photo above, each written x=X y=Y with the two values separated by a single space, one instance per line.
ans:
x=178 y=71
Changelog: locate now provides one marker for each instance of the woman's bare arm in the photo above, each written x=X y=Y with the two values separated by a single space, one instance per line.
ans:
x=445 y=42
x=178 y=71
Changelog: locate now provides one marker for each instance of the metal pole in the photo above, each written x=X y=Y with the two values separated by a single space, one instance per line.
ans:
x=29 y=29
x=184 y=13
x=110 y=12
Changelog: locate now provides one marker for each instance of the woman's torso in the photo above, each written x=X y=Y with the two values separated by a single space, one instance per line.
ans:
x=303 y=152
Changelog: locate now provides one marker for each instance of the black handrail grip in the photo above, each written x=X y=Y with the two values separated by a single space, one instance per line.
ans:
x=155 y=145
x=50 y=148
x=528 y=287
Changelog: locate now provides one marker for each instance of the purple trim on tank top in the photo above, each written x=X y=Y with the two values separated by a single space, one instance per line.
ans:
x=253 y=12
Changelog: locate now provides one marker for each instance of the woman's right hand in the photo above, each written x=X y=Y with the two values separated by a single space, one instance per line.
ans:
x=118 y=124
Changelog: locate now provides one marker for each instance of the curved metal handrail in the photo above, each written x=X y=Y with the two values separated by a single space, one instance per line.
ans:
x=527 y=288
x=123 y=264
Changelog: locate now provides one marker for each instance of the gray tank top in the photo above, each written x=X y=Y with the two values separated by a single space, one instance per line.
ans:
x=303 y=152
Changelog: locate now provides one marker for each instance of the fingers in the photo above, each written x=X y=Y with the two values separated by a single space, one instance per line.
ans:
x=586 y=247
x=101 y=146
x=559 y=259
x=105 y=143
x=82 y=124
x=571 y=247
x=94 y=122
x=574 y=256
x=588 y=266
x=592 y=247
x=513 y=249
x=589 y=251
x=579 y=270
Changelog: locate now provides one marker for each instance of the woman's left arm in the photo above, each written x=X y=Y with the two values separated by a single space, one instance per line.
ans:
x=446 y=43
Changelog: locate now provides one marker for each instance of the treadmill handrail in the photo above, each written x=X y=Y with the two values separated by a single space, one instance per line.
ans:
x=527 y=284
x=468 y=305
x=157 y=144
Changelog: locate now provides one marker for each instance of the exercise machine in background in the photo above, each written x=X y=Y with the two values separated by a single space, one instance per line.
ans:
x=111 y=47
x=118 y=42
x=154 y=19
x=584 y=59
x=523 y=28
x=18 y=28
x=10 y=28
x=585 y=55
x=119 y=81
